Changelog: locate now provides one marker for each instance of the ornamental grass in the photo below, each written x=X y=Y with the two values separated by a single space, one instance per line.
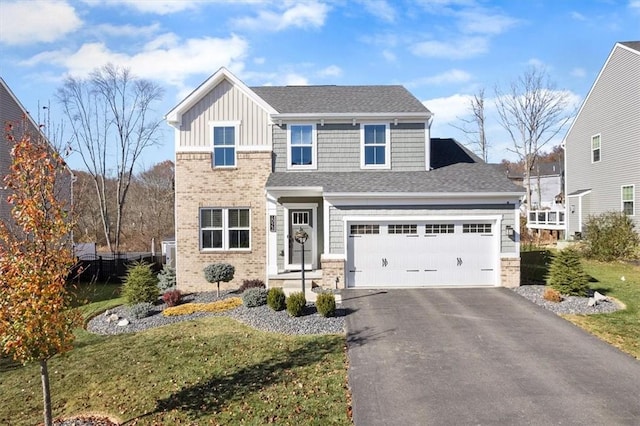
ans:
x=190 y=308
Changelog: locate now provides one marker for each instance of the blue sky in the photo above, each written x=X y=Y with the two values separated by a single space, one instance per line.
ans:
x=443 y=51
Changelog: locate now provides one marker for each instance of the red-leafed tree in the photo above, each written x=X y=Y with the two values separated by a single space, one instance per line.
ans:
x=36 y=321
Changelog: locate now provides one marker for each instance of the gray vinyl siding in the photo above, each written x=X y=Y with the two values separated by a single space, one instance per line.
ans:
x=338 y=147
x=337 y=214
x=613 y=111
x=224 y=103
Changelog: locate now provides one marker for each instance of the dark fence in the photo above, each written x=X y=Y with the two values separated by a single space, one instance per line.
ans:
x=110 y=267
x=534 y=266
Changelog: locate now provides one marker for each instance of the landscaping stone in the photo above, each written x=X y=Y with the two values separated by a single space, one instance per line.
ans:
x=123 y=322
x=569 y=305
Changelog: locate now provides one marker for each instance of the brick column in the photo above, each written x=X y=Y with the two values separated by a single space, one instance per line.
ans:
x=510 y=272
x=332 y=269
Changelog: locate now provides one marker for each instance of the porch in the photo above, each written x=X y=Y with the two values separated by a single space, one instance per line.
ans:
x=291 y=282
x=546 y=219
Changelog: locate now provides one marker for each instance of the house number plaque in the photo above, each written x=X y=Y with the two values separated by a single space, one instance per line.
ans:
x=272 y=223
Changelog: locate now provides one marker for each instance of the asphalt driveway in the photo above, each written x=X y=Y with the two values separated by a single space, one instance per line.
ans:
x=480 y=357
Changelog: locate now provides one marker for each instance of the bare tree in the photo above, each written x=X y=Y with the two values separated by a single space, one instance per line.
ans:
x=533 y=113
x=474 y=127
x=109 y=115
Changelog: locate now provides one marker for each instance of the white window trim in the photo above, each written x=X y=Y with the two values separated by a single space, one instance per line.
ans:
x=314 y=148
x=633 y=198
x=599 y=136
x=387 y=151
x=236 y=132
x=225 y=230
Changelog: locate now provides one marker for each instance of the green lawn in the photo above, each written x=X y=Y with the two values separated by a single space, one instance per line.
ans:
x=208 y=371
x=622 y=328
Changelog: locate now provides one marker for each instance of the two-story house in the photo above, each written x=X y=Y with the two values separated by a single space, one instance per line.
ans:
x=602 y=146
x=383 y=204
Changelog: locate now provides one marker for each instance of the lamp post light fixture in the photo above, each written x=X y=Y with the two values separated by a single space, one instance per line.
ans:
x=301 y=237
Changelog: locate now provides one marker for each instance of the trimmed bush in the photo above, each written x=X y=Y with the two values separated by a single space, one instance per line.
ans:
x=552 y=295
x=217 y=272
x=140 y=285
x=276 y=298
x=254 y=297
x=167 y=278
x=247 y=284
x=611 y=236
x=140 y=310
x=326 y=304
x=566 y=274
x=172 y=297
x=190 y=308
x=296 y=303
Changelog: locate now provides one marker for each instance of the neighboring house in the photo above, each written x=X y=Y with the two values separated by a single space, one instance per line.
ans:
x=602 y=146
x=383 y=204
x=12 y=111
x=547 y=197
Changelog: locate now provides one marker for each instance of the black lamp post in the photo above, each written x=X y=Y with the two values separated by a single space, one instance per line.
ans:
x=301 y=237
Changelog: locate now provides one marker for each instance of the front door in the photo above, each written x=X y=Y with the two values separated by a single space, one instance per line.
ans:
x=300 y=218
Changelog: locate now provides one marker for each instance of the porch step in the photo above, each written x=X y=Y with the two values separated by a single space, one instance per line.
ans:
x=291 y=282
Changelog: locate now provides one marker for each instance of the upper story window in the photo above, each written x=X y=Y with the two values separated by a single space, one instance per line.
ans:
x=301 y=146
x=628 y=200
x=225 y=229
x=224 y=145
x=595 y=148
x=375 y=149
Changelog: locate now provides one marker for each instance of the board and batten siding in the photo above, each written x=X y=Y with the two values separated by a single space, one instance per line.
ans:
x=225 y=103
x=337 y=214
x=612 y=110
x=339 y=147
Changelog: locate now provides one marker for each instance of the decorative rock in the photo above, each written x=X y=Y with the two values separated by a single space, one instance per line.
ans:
x=123 y=322
x=592 y=302
x=113 y=318
x=600 y=297
x=107 y=313
x=622 y=278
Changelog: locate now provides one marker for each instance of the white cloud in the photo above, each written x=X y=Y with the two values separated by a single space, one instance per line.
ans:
x=380 y=9
x=634 y=4
x=301 y=15
x=293 y=79
x=578 y=16
x=449 y=77
x=389 y=55
x=330 y=71
x=259 y=61
x=23 y=23
x=455 y=49
x=479 y=22
x=578 y=72
x=158 y=7
x=127 y=30
x=167 y=58
x=447 y=109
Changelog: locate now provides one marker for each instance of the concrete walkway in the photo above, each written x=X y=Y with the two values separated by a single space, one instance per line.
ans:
x=480 y=357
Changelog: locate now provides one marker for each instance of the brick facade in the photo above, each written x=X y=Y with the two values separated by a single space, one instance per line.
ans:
x=510 y=272
x=333 y=269
x=198 y=185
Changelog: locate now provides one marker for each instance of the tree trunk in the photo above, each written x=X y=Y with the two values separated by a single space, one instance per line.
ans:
x=46 y=393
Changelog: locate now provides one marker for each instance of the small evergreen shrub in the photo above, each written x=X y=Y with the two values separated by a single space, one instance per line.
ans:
x=141 y=310
x=254 y=297
x=167 y=278
x=566 y=274
x=247 y=284
x=216 y=272
x=172 y=297
x=552 y=295
x=276 y=298
x=611 y=236
x=140 y=285
x=326 y=304
x=190 y=308
x=295 y=304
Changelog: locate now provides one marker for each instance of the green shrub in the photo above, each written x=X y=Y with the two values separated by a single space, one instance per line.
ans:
x=254 y=297
x=276 y=298
x=140 y=285
x=295 y=304
x=247 y=284
x=140 y=310
x=167 y=278
x=566 y=274
x=611 y=236
x=217 y=272
x=326 y=304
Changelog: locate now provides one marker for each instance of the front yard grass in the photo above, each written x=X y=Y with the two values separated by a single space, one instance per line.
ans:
x=621 y=328
x=208 y=371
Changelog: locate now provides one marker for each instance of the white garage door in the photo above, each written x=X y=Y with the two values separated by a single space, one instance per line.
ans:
x=422 y=254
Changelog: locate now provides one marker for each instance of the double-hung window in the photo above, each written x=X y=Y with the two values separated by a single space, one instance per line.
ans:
x=225 y=229
x=628 y=200
x=302 y=146
x=375 y=149
x=595 y=148
x=224 y=145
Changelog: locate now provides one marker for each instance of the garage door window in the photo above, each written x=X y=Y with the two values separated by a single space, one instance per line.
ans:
x=476 y=228
x=438 y=228
x=403 y=229
x=364 y=229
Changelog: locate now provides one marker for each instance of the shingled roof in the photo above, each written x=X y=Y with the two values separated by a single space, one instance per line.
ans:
x=466 y=176
x=635 y=45
x=340 y=99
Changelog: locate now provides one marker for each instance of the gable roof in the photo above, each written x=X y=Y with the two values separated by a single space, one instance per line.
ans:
x=19 y=104
x=340 y=99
